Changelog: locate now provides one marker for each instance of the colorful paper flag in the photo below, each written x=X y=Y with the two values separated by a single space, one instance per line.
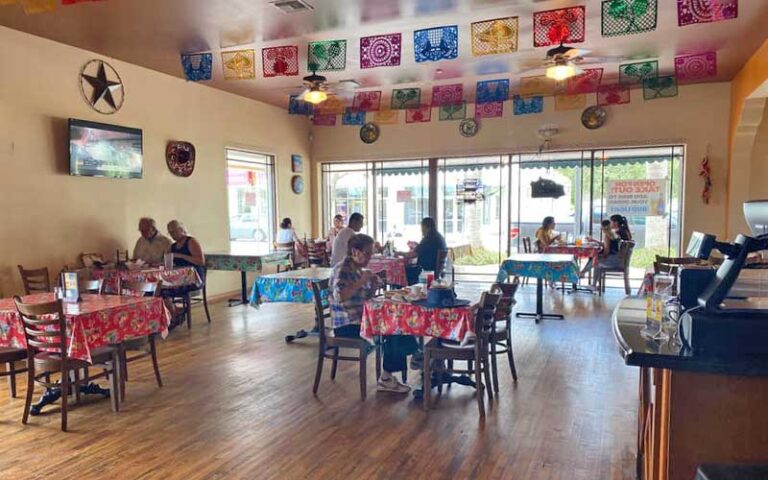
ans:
x=238 y=64
x=386 y=117
x=586 y=82
x=489 y=110
x=197 y=67
x=380 y=50
x=452 y=94
x=635 y=73
x=625 y=17
x=353 y=117
x=613 y=94
x=297 y=106
x=328 y=55
x=691 y=12
x=418 y=115
x=537 y=85
x=453 y=112
x=490 y=91
x=659 y=87
x=280 y=61
x=324 y=120
x=367 y=101
x=434 y=44
x=32 y=7
x=570 y=102
x=692 y=68
x=526 y=106
x=332 y=105
x=491 y=37
x=564 y=25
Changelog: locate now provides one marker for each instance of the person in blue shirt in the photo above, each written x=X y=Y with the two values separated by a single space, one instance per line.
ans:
x=426 y=251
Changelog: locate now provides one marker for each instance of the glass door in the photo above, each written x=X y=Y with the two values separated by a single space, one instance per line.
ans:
x=347 y=190
x=402 y=201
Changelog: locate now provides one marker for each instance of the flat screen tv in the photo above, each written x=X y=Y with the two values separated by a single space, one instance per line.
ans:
x=101 y=150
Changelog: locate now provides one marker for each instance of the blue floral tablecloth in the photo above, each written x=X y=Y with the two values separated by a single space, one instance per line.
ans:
x=547 y=266
x=292 y=287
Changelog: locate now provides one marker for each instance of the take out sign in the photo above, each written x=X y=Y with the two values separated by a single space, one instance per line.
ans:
x=641 y=198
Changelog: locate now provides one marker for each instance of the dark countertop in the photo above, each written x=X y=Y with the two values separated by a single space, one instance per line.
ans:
x=732 y=472
x=629 y=320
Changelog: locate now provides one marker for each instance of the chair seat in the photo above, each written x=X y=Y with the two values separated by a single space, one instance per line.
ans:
x=437 y=344
x=51 y=362
x=135 y=343
x=12 y=354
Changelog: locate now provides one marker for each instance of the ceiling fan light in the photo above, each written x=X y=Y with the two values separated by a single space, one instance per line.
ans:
x=315 y=96
x=561 y=72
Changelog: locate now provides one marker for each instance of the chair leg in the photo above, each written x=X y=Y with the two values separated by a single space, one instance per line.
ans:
x=427 y=392
x=153 y=354
x=378 y=361
x=319 y=371
x=188 y=309
x=479 y=381
x=205 y=303
x=494 y=368
x=486 y=369
x=30 y=391
x=335 y=363
x=626 y=282
x=405 y=373
x=76 y=387
x=12 y=378
x=64 y=396
x=511 y=356
x=123 y=367
x=114 y=385
x=363 y=373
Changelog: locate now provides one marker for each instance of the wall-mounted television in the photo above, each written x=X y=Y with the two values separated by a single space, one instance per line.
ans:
x=101 y=150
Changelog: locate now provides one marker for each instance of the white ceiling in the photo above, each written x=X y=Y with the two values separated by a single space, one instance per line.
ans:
x=152 y=33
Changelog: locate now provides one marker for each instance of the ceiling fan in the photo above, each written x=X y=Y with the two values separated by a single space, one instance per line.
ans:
x=316 y=88
x=562 y=62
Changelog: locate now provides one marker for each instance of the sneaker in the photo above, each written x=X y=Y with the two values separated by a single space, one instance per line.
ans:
x=392 y=385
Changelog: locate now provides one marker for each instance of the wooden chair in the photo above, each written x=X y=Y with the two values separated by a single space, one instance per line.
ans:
x=625 y=254
x=500 y=334
x=45 y=330
x=316 y=254
x=329 y=346
x=144 y=346
x=9 y=356
x=290 y=249
x=474 y=352
x=185 y=298
x=95 y=287
x=527 y=248
x=122 y=257
x=442 y=256
x=35 y=280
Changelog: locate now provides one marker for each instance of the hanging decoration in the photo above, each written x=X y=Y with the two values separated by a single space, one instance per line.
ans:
x=434 y=44
x=297 y=106
x=333 y=104
x=327 y=56
x=691 y=68
x=101 y=87
x=625 y=17
x=419 y=115
x=613 y=94
x=470 y=190
x=469 y=127
x=297 y=184
x=552 y=27
x=452 y=112
x=32 y=7
x=525 y=106
x=489 y=110
x=691 y=12
x=238 y=64
x=635 y=73
x=587 y=82
x=546 y=188
x=353 y=117
x=452 y=94
x=280 y=61
x=594 y=117
x=706 y=175
x=403 y=98
x=488 y=91
x=491 y=37
x=380 y=50
x=570 y=102
x=324 y=119
x=660 y=87
x=386 y=117
x=367 y=101
x=198 y=67
x=537 y=85
x=369 y=133
x=180 y=158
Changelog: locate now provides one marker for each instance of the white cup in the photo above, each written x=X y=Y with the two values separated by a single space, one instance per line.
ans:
x=416 y=289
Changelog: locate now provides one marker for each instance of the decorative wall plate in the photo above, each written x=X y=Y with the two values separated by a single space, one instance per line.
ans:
x=180 y=157
x=469 y=127
x=297 y=185
x=369 y=133
x=101 y=87
x=593 y=117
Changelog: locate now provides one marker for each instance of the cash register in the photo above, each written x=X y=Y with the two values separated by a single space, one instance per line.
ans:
x=719 y=324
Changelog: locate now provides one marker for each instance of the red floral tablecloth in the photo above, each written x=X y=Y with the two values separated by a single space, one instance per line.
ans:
x=394 y=266
x=96 y=321
x=579 y=251
x=175 y=277
x=386 y=317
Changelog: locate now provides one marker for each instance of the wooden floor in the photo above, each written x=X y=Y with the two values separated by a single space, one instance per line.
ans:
x=237 y=403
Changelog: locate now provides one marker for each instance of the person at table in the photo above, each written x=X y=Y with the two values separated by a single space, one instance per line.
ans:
x=152 y=244
x=351 y=286
x=545 y=235
x=620 y=225
x=426 y=251
x=617 y=232
x=336 y=228
x=287 y=234
x=339 y=250
x=186 y=250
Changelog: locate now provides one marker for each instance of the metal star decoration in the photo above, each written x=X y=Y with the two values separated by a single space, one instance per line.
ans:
x=103 y=89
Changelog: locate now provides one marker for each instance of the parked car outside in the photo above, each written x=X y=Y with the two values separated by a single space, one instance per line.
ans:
x=248 y=227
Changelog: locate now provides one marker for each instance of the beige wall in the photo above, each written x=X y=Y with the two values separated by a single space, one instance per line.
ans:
x=758 y=177
x=48 y=217
x=698 y=118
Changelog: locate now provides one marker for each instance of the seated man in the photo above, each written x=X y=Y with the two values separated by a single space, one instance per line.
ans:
x=339 y=249
x=351 y=286
x=426 y=251
x=152 y=245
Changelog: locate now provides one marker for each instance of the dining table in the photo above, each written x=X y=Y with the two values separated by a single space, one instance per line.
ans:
x=244 y=262
x=171 y=277
x=552 y=267
x=586 y=250
x=292 y=286
x=393 y=266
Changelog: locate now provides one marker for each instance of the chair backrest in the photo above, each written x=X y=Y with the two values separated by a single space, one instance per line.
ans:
x=382 y=276
x=507 y=300
x=285 y=246
x=442 y=255
x=322 y=307
x=678 y=260
x=626 y=247
x=88 y=259
x=486 y=312
x=35 y=280
x=138 y=289
x=93 y=286
x=316 y=253
x=122 y=256
x=45 y=327
x=527 y=248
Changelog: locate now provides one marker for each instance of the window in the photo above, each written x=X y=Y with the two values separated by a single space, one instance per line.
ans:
x=251 y=198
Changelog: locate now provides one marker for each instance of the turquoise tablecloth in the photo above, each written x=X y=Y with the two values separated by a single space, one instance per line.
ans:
x=292 y=287
x=547 y=266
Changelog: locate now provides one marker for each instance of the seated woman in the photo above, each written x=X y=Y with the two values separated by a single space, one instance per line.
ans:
x=616 y=231
x=545 y=235
x=186 y=250
x=426 y=251
x=338 y=225
x=351 y=286
x=287 y=234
